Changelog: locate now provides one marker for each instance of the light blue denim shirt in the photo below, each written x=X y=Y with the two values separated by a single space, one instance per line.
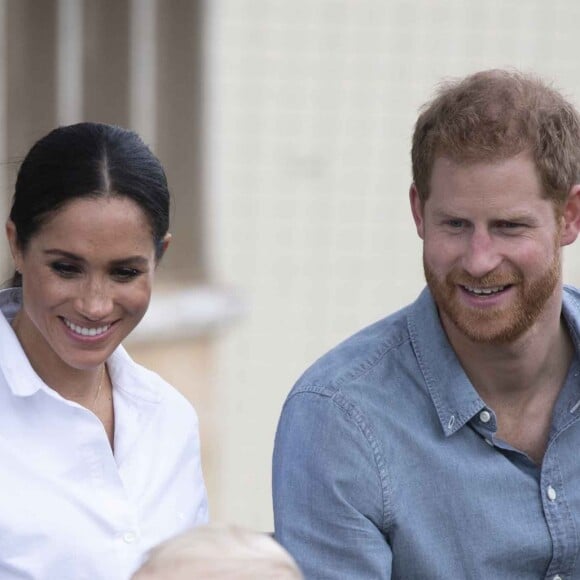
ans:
x=386 y=465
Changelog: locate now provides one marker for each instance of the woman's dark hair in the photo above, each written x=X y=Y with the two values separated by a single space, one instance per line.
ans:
x=88 y=160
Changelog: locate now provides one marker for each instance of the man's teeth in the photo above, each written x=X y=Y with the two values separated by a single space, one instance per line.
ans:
x=86 y=331
x=485 y=291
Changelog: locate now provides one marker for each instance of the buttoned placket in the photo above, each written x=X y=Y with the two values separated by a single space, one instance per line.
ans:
x=111 y=493
x=558 y=516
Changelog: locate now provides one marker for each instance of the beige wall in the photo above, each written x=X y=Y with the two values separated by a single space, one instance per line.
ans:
x=311 y=108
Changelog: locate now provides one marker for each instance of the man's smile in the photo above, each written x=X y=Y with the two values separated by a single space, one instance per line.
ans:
x=485 y=291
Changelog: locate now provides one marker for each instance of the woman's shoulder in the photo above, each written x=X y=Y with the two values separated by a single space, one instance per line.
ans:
x=146 y=387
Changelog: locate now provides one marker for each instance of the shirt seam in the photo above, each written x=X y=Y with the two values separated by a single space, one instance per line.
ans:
x=364 y=367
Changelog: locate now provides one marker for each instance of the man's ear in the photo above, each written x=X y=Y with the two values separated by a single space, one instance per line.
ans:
x=417 y=210
x=13 y=243
x=570 y=217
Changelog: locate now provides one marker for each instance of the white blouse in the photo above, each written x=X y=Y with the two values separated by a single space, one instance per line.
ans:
x=69 y=507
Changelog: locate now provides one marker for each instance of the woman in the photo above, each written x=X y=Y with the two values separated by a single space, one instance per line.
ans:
x=99 y=457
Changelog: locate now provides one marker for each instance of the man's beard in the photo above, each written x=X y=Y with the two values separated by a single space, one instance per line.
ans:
x=491 y=325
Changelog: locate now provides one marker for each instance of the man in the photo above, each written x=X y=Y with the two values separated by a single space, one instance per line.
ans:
x=444 y=441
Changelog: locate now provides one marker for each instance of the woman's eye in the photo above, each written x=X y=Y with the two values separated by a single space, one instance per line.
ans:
x=65 y=269
x=126 y=274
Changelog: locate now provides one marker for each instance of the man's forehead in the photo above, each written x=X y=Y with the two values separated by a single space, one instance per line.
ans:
x=485 y=160
x=510 y=173
x=507 y=188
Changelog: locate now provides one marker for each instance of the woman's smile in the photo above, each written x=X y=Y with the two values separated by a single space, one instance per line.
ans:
x=87 y=277
x=85 y=331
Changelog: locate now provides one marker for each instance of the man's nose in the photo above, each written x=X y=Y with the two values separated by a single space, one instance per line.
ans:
x=481 y=255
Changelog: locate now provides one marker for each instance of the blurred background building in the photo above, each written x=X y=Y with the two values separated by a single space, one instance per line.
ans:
x=284 y=127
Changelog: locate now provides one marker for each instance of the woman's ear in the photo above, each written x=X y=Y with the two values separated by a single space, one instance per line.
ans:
x=12 y=236
x=164 y=245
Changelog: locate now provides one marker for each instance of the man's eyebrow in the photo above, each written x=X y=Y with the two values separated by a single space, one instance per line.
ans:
x=441 y=213
x=507 y=216
x=520 y=216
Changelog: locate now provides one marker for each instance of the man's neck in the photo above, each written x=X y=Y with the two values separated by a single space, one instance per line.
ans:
x=518 y=368
x=521 y=380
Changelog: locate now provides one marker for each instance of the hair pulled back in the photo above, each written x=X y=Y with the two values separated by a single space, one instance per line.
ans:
x=88 y=160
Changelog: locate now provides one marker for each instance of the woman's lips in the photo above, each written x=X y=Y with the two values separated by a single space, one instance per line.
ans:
x=87 y=332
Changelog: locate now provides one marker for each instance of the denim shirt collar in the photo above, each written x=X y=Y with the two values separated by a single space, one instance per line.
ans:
x=571 y=310
x=453 y=395
x=451 y=391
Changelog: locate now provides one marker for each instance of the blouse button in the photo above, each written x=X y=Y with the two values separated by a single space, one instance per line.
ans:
x=129 y=537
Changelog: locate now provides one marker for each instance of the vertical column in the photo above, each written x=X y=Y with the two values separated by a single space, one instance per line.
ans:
x=30 y=73
x=69 y=62
x=142 y=69
x=106 y=61
x=180 y=130
x=5 y=193
x=27 y=93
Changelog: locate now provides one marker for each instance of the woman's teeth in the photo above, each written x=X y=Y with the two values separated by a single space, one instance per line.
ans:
x=86 y=331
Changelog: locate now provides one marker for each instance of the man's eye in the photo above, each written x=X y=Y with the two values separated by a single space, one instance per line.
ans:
x=126 y=274
x=455 y=223
x=65 y=269
x=509 y=225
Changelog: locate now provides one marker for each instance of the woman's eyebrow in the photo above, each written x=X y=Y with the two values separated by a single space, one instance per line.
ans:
x=138 y=259
x=134 y=260
x=63 y=253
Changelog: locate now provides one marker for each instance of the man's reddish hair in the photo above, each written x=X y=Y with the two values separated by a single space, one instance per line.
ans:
x=496 y=114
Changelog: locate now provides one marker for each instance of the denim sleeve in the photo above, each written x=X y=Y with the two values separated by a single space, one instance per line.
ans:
x=329 y=497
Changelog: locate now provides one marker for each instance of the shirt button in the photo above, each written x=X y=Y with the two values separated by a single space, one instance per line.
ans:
x=485 y=416
x=129 y=537
x=551 y=493
x=557 y=577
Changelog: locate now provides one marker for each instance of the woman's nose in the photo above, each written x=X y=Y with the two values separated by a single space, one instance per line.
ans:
x=95 y=301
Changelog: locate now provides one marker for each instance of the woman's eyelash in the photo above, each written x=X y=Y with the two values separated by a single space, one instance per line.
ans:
x=64 y=268
x=126 y=273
